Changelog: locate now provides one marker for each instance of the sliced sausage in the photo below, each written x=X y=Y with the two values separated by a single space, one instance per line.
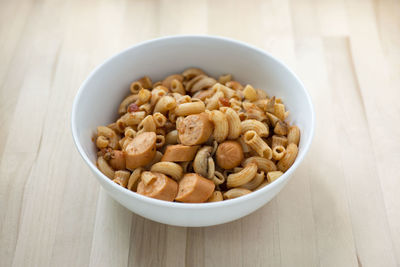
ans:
x=194 y=188
x=140 y=151
x=117 y=160
x=229 y=154
x=179 y=153
x=163 y=188
x=195 y=129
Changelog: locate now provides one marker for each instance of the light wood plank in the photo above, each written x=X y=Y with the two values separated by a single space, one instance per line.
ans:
x=111 y=237
x=335 y=241
x=379 y=94
x=362 y=183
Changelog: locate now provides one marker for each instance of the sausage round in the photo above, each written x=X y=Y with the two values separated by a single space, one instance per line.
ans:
x=179 y=153
x=117 y=161
x=229 y=154
x=195 y=129
x=140 y=151
x=163 y=188
x=194 y=188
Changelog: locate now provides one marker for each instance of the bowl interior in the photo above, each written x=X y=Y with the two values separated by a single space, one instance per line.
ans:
x=99 y=97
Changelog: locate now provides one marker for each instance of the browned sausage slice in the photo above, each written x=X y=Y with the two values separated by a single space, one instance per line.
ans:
x=140 y=151
x=163 y=188
x=195 y=129
x=179 y=153
x=117 y=161
x=194 y=188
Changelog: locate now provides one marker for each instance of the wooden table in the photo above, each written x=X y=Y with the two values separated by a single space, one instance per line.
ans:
x=341 y=209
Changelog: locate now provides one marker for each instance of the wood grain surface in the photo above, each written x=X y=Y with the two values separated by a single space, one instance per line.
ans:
x=341 y=209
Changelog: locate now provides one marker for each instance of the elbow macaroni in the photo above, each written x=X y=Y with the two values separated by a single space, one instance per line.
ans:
x=240 y=114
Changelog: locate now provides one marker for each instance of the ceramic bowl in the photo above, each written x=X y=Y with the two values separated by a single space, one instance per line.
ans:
x=98 y=98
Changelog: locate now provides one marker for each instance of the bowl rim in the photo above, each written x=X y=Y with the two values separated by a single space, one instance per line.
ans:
x=180 y=205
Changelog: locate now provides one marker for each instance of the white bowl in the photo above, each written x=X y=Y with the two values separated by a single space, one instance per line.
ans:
x=98 y=98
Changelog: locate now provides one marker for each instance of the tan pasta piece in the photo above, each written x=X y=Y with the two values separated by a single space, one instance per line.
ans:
x=260 y=128
x=293 y=136
x=255 y=182
x=179 y=153
x=281 y=128
x=171 y=169
x=194 y=188
x=255 y=142
x=233 y=122
x=236 y=192
x=177 y=87
x=263 y=164
x=242 y=177
x=121 y=178
x=289 y=158
x=221 y=126
x=109 y=134
x=105 y=168
x=167 y=81
x=216 y=196
x=234 y=85
x=126 y=102
x=279 y=141
x=134 y=179
x=189 y=74
x=272 y=176
x=140 y=151
x=278 y=152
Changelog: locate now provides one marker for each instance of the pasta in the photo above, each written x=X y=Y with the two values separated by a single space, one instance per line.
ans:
x=126 y=102
x=236 y=192
x=281 y=128
x=249 y=93
x=171 y=169
x=177 y=87
x=255 y=142
x=216 y=196
x=233 y=122
x=190 y=108
x=256 y=126
x=121 y=178
x=134 y=178
x=225 y=78
x=242 y=177
x=221 y=126
x=288 y=159
x=293 y=135
x=278 y=152
x=164 y=104
x=255 y=182
x=159 y=119
x=144 y=96
x=262 y=163
x=109 y=135
x=147 y=125
x=272 y=176
x=194 y=138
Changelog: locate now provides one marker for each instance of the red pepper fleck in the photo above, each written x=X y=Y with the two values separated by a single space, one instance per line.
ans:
x=224 y=101
x=133 y=107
